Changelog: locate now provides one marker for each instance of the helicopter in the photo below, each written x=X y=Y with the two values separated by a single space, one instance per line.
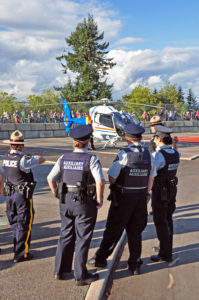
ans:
x=107 y=122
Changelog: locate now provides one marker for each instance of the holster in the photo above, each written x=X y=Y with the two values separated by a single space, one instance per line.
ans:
x=113 y=195
x=60 y=191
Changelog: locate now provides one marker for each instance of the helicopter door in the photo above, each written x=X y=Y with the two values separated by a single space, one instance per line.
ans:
x=106 y=120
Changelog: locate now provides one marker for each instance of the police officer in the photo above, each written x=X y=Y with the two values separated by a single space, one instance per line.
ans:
x=154 y=121
x=164 y=191
x=81 y=174
x=131 y=176
x=19 y=188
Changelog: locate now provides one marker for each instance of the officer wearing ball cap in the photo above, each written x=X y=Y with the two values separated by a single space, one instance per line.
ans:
x=164 y=191
x=19 y=188
x=131 y=176
x=80 y=172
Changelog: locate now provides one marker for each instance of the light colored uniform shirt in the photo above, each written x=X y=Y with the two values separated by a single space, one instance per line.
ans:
x=26 y=163
x=121 y=162
x=95 y=167
x=159 y=158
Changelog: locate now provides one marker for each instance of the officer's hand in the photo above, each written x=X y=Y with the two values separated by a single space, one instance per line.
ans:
x=99 y=204
x=41 y=159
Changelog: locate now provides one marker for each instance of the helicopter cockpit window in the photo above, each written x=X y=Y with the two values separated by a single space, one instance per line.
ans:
x=106 y=120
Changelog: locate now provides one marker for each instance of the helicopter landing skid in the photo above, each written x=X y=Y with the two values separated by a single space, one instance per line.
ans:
x=111 y=141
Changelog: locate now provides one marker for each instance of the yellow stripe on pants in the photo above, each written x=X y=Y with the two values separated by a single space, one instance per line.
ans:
x=29 y=229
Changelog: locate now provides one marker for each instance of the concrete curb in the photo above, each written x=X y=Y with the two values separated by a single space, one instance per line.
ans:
x=97 y=289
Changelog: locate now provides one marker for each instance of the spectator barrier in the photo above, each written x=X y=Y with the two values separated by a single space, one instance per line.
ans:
x=48 y=130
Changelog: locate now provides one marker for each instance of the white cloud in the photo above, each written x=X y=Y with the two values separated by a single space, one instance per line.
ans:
x=153 y=80
x=154 y=68
x=129 y=40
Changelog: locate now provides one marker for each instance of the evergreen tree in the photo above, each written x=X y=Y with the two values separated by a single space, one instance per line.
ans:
x=191 y=99
x=88 y=62
x=180 y=95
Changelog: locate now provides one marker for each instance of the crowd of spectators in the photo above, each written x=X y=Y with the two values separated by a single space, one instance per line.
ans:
x=170 y=115
x=32 y=117
x=37 y=116
x=57 y=117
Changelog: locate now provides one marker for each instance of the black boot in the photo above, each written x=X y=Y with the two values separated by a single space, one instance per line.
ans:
x=134 y=269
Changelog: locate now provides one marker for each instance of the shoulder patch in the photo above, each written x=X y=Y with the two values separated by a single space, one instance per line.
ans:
x=28 y=156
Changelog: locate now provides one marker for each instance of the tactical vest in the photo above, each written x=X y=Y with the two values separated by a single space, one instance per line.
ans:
x=135 y=174
x=169 y=171
x=76 y=167
x=11 y=164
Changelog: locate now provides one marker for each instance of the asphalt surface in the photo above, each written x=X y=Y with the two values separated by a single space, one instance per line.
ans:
x=34 y=279
x=178 y=280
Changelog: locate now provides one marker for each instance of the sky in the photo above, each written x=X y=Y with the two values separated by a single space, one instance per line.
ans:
x=151 y=41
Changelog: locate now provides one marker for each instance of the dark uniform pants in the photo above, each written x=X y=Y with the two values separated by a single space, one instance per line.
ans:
x=77 y=224
x=162 y=216
x=131 y=214
x=20 y=215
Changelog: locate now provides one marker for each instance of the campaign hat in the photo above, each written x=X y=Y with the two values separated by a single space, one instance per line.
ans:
x=16 y=138
x=163 y=131
x=134 y=130
x=155 y=120
x=81 y=132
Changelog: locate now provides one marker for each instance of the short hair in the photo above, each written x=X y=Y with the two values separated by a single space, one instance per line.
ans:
x=167 y=140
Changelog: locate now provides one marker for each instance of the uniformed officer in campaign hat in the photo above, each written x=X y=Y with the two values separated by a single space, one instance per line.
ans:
x=131 y=176
x=19 y=189
x=164 y=191
x=80 y=190
x=154 y=121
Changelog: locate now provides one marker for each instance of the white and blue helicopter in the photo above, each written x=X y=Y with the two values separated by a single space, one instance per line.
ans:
x=107 y=122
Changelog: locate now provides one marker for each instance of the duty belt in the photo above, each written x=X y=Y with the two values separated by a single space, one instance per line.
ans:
x=132 y=191
x=72 y=189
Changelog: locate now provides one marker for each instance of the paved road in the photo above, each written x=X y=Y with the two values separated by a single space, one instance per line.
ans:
x=34 y=279
x=177 y=281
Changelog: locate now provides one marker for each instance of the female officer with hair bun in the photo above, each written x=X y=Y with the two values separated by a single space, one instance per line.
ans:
x=164 y=191
x=80 y=173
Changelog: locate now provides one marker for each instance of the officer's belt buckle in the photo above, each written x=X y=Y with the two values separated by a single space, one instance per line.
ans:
x=72 y=189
